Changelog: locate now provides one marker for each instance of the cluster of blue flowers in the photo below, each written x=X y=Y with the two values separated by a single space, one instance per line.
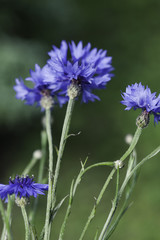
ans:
x=85 y=68
x=137 y=96
x=88 y=69
x=22 y=187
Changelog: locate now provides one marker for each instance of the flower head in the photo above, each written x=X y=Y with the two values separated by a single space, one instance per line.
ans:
x=88 y=69
x=137 y=96
x=22 y=187
x=40 y=89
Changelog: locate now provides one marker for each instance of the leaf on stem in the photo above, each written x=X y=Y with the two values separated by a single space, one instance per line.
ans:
x=56 y=148
x=83 y=164
x=118 y=218
x=96 y=235
x=52 y=216
x=55 y=210
x=73 y=135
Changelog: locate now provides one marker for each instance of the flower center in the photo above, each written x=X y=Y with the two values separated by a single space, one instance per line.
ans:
x=77 y=82
x=45 y=92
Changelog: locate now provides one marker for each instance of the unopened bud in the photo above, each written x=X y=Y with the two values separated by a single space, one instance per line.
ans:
x=37 y=154
x=142 y=120
x=128 y=138
x=73 y=90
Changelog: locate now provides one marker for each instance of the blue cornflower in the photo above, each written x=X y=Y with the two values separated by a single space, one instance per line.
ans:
x=40 y=89
x=137 y=96
x=88 y=69
x=22 y=187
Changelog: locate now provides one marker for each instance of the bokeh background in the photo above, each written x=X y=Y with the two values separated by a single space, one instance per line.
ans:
x=130 y=31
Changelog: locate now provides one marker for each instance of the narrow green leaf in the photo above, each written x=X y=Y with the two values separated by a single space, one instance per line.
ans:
x=55 y=210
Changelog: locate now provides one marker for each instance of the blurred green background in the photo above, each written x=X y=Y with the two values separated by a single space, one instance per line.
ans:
x=130 y=31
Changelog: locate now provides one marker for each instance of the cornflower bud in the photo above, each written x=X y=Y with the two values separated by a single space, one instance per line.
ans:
x=142 y=120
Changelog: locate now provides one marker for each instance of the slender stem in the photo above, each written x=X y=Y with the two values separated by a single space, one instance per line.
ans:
x=117 y=183
x=133 y=143
x=117 y=196
x=152 y=154
x=131 y=165
x=64 y=136
x=50 y=175
x=42 y=162
x=96 y=235
x=98 y=165
x=83 y=171
x=26 y=222
x=30 y=166
x=5 y=220
x=92 y=214
x=125 y=182
x=67 y=213
x=73 y=191
x=116 y=200
x=4 y=233
x=114 y=206
x=2 y=211
x=8 y=213
x=121 y=213
x=40 y=173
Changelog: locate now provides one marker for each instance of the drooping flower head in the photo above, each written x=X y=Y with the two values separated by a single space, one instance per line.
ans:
x=40 y=89
x=137 y=96
x=84 y=68
x=22 y=187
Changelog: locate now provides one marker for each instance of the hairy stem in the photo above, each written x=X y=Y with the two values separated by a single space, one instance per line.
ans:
x=40 y=172
x=26 y=223
x=5 y=220
x=74 y=186
x=133 y=143
x=64 y=136
x=114 y=206
x=92 y=214
x=50 y=175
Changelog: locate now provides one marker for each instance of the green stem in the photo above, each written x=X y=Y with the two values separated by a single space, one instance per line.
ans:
x=96 y=235
x=40 y=173
x=64 y=136
x=113 y=209
x=117 y=196
x=98 y=165
x=131 y=165
x=50 y=175
x=67 y=212
x=5 y=220
x=83 y=171
x=3 y=214
x=121 y=213
x=30 y=166
x=42 y=162
x=4 y=233
x=8 y=213
x=152 y=154
x=92 y=214
x=73 y=191
x=133 y=143
x=125 y=182
x=117 y=184
x=26 y=222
